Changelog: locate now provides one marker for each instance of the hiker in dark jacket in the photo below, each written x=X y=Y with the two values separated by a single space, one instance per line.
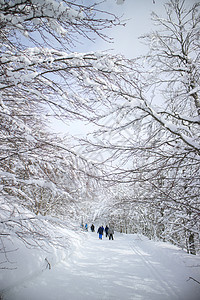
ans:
x=106 y=230
x=110 y=233
x=100 y=232
x=92 y=227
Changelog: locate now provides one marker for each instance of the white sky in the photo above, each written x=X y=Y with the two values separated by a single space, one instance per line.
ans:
x=137 y=14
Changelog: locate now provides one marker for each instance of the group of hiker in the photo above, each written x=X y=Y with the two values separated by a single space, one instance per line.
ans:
x=109 y=231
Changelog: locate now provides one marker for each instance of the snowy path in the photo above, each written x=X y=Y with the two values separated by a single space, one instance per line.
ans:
x=127 y=268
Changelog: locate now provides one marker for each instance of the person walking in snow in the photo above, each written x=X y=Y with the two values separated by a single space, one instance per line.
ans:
x=110 y=233
x=92 y=227
x=100 y=232
x=106 y=230
x=86 y=227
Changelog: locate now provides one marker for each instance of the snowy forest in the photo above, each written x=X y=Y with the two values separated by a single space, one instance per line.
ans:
x=139 y=167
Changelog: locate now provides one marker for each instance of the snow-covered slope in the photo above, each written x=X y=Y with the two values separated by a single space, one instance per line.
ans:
x=130 y=267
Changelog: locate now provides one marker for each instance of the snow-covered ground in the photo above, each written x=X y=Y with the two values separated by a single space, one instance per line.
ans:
x=130 y=267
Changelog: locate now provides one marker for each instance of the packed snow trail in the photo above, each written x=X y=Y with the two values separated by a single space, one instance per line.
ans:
x=130 y=267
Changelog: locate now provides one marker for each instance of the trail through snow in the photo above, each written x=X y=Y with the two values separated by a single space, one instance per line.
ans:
x=130 y=267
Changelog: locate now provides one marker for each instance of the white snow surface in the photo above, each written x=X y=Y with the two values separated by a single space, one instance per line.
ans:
x=129 y=267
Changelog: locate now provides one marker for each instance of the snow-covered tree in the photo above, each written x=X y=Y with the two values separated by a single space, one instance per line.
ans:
x=40 y=175
x=150 y=122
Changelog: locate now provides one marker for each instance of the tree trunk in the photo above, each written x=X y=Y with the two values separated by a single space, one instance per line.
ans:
x=191 y=244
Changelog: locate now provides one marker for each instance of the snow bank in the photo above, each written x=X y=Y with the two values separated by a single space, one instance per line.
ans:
x=31 y=244
x=27 y=263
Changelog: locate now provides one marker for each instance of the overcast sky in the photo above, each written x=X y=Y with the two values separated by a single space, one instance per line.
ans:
x=137 y=14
